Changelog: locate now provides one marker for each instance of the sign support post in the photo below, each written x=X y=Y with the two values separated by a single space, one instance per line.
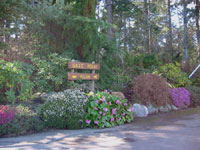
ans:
x=83 y=76
x=92 y=84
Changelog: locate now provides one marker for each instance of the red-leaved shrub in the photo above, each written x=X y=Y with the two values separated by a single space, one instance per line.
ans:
x=151 y=89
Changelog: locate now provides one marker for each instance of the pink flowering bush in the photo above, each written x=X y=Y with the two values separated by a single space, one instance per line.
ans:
x=105 y=110
x=6 y=114
x=180 y=97
x=18 y=120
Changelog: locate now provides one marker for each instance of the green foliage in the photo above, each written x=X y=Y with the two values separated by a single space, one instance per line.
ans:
x=26 y=120
x=194 y=95
x=174 y=75
x=15 y=80
x=51 y=73
x=65 y=110
x=196 y=82
x=131 y=68
x=106 y=110
x=146 y=61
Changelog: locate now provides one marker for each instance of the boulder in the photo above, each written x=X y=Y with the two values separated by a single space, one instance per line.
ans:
x=140 y=110
x=152 y=109
x=163 y=109
x=174 y=107
x=118 y=94
x=169 y=107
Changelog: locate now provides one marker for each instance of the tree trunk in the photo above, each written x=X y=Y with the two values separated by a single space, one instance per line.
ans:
x=197 y=25
x=7 y=35
x=185 y=38
x=88 y=9
x=146 y=45
x=109 y=15
x=170 y=28
x=125 y=34
x=147 y=27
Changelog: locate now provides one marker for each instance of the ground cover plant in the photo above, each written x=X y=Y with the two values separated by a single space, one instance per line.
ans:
x=105 y=110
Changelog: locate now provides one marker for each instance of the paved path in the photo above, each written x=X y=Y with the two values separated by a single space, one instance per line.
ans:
x=159 y=132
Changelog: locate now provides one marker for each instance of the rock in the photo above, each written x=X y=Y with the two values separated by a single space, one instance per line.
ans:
x=169 y=107
x=163 y=109
x=118 y=94
x=140 y=110
x=174 y=107
x=151 y=109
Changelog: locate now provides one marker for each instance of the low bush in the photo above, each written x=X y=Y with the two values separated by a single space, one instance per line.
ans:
x=105 y=110
x=65 y=110
x=194 y=95
x=23 y=121
x=151 y=89
x=180 y=97
x=173 y=74
x=15 y=81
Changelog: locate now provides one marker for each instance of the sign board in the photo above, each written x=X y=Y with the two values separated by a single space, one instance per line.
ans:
x=82 y=76
x=80 y=65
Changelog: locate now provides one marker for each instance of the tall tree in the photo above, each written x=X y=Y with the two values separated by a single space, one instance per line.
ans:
x=170 y=28
x=185 y=39
x=86 y=8
x=197 y=25
x=109 y=15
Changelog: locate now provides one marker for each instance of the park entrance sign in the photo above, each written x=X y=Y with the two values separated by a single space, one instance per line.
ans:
x=83 y=76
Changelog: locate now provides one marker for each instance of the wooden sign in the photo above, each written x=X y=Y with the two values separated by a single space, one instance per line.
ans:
x=80 y=65
x=83 y=76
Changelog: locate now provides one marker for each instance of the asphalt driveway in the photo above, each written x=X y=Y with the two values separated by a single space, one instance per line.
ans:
x=178 y=130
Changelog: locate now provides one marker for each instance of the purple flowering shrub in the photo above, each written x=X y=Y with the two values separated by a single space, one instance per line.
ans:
x=7 y=114
x=180 y=97
x=105 y=110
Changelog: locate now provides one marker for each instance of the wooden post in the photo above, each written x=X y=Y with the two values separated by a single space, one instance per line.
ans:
x=72 y=72
x=92 y=85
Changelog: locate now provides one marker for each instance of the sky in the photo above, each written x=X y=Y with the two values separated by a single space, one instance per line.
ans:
x=175 y=17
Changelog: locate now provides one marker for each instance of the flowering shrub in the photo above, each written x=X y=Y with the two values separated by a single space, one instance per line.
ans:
x=180 y=97
x=65 y=109
x=106 y=110
x=6 y=114
x=23 y=120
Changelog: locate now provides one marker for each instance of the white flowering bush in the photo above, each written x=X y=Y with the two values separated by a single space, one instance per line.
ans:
x=65 y=109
